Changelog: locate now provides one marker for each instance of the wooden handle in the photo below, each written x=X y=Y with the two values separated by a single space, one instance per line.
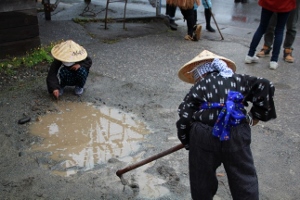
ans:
x=143 y=162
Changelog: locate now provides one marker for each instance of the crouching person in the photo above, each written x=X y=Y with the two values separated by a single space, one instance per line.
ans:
x=70 y=67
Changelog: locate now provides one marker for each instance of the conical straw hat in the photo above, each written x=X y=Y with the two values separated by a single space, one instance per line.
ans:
x=69 y=51
x=184 y=72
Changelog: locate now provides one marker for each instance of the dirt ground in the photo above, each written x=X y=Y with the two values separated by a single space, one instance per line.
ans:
x=27 y=175
x=134 y=73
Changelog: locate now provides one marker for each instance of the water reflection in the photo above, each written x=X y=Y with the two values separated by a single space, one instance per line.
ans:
x=81 y=135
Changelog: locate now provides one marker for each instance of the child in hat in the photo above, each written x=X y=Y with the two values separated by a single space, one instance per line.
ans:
x=70 y=67
x=215 y=127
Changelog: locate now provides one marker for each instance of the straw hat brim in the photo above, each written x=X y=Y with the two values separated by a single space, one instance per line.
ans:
x=69 y=51
x=185 y=73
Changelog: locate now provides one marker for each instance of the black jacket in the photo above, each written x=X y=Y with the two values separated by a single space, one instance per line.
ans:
x=52 y=78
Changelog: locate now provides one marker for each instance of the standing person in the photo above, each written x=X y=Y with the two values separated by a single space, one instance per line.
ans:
x=240 y=1
x=196 y=5
x=215 y=127
x=282 y=8
x=187 y=10
x=170 y=13
x=290 y=35
x=207 y=13
x=70 y=67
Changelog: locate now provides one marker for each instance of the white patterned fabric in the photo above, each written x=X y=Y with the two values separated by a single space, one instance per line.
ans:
x=215 y=65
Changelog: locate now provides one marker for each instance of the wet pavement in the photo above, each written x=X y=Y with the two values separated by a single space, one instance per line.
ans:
x=144 y=59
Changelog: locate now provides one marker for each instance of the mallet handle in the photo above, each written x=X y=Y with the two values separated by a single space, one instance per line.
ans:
x=143 y=162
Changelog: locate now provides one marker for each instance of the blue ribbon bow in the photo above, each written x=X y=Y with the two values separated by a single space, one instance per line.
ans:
x=230 y=115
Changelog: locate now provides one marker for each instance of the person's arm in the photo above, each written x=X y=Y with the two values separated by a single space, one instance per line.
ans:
x=261 y=94
x=52 y=79
x=87 y=63
x=186 y=111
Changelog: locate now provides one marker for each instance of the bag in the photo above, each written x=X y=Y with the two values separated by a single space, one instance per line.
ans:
x=182 y=4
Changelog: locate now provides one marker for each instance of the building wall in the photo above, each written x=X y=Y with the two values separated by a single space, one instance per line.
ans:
x=19 y=30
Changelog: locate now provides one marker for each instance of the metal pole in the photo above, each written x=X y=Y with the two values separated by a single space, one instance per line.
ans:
x=158 y=8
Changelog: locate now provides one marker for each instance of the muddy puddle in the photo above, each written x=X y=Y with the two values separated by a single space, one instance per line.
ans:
x=80 y=136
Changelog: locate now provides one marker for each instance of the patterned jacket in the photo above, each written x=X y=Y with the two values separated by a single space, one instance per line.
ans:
x=52 y=78
x=214 y=89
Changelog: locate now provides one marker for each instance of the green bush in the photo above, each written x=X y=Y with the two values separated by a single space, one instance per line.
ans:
x=39 y=55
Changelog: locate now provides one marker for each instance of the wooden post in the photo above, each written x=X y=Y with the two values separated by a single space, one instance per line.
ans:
x=47 y=9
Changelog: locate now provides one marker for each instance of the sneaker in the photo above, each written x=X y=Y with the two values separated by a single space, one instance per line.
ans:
x=273 y=65
x=188 y=37
x=265 y=51
x=197 y=32
x=250 y=59
x=78 y=90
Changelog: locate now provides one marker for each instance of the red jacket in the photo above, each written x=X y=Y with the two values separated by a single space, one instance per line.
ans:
x=278 y=5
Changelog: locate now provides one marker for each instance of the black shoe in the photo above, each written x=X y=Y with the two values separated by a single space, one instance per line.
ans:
x=173 y=25
x=237 y=1
x=210 y=29
x=244 y=1
x=172 y=21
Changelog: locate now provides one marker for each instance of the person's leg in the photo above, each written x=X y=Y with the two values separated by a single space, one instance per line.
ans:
x=207 y=13
x=167 y=9
x=204 y=159
x=67 y=77
x=279 y=32
x=263 y=25
x=170 y=12
x=291 y=31
x=239 y=165
x=195 y=16
x=268 y=37
x=81 y=76
x=188 y=15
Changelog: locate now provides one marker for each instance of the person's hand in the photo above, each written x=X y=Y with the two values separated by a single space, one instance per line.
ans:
x=56 y=93
x=254 y=122
x=251 y=120
x=75 y=67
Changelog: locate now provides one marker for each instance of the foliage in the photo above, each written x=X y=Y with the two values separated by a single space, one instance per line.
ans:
x=30 y=59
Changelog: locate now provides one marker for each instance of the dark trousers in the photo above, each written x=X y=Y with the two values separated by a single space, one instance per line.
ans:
x=262 y=28
x=171 y=11
x=73 y=78
x=207 y=153
x=190 y=20
x=291 y=29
